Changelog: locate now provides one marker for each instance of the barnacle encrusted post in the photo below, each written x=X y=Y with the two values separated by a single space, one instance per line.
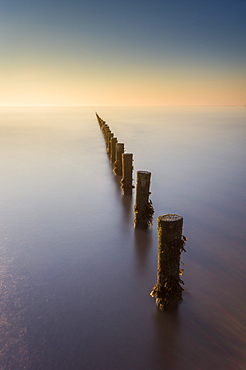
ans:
x=113 y=149
x=126 y=181
x=143 y=208
x=168 y=290
x=118 y=161
x=108 y=142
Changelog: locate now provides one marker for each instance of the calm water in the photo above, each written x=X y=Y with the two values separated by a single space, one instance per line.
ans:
x=76 y=277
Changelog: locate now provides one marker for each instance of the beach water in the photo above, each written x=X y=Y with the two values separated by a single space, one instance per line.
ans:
x=75 y=275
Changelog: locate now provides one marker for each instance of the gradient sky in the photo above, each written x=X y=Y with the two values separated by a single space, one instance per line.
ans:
x=112 y=52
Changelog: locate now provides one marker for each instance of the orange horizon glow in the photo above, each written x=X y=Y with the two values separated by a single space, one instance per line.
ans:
x=98 y=88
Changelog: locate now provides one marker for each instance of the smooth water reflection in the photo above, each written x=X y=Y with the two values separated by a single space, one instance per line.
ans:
x=76 y=276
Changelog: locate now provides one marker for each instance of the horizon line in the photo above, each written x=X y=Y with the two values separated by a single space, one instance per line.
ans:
x=125 y=105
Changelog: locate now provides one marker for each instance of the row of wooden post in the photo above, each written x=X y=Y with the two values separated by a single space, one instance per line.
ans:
x=168 y=290
x=122 y=167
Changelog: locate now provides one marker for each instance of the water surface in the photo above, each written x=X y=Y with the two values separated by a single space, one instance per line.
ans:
x=75 y=275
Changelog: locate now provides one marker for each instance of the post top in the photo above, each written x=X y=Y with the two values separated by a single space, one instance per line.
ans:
x=144 y=172
x=170 y=217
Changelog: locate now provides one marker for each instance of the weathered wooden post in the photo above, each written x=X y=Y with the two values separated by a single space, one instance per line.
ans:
x=100 y=120
x=118 y=161
x=106 y=131
x=171 y=242
x=109 y=138
x=143 y=207
x=126 y=181
x=113 y=149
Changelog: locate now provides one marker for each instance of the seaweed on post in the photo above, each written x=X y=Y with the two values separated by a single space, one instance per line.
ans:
x=143 y=208
x=171 y=242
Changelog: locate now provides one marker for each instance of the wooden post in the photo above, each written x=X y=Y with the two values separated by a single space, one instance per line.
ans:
x=113 y=149
x=109 y=138
x=168 y=290
x=118 y=161
x=105 y=130
x=126 y=182
x=100 y=120
x=143 y=207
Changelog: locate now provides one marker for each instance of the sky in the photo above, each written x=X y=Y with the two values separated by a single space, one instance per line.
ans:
x=115 y=52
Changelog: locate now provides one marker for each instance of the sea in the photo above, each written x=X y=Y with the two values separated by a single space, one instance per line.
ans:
x=76 y=276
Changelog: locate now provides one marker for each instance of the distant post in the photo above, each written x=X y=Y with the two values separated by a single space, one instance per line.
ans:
x=118 y=161
x=126 y=181
x=143 y=208
x=109 y=138
x=105 y=130
x=100 y=120
x=113 y=149
x=168 y=290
